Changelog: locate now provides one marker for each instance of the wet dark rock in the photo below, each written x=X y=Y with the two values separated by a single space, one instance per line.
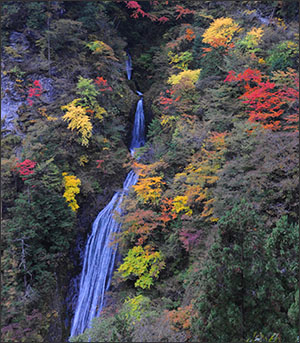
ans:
x=10 y=104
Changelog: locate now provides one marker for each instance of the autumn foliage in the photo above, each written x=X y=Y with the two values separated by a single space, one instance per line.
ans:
x=78 y=120
x=182 y=317
x=34 y=92
x=268 y=104
x=71 y=183
x=143 y=263
x=179 y=12
x=102 y=84
x=25 y=168
x=149 y=186
x=221 y=32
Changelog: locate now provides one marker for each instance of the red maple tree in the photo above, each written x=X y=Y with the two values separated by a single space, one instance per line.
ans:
x=25 y=168
x=267 y=102
x=102 y=84
x=34 y=91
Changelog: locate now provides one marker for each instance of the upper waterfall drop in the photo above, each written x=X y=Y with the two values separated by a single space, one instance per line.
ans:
x=128 y=66
x=99 y=256
x=138 y=133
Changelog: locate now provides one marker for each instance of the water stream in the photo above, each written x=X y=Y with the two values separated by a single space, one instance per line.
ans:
x=128 y=66
x=99 y=256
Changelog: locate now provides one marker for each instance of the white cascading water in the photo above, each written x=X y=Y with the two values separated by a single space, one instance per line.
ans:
x=138 y=133
x=128 y=66
x=99 y=256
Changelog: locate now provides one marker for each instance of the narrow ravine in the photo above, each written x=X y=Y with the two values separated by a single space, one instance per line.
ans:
x=99 y=256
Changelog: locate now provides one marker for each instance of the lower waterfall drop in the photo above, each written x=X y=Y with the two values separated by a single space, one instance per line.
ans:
x=99 y=256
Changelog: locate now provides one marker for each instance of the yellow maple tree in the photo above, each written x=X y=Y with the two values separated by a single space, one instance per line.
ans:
x=200 y=175
x=252 y=38
x=188 y=75
x=100 y=48
x=143 y=263
x=149 y=186
x=220 y=32
x=180 y=205
x=78 y=120
x=71 y=183
x=149 y=189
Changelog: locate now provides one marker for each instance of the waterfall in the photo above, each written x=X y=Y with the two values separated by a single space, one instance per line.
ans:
x=99 y=256
x=138 y=133
x=128 y=66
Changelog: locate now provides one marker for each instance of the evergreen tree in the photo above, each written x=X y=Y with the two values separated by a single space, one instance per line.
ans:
x=231 y=302
x=249 y=280
x=282 y=270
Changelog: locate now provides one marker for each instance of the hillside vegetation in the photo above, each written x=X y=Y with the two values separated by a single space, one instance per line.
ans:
x=209 y=238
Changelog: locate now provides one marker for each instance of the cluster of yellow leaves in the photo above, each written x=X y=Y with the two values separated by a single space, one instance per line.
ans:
x=256 y=34
x=180 y=205
x=135 y=307
x=191 y=76
x=76 y=115
x=42 y=111
x=71 y=183
x=252 y=38
x=100 y=112
x=149 y=186
x=143 y=263
x=100 y=48
x=12 y=51
x=220 y=32
x=83 y=159
x=181 y=60
x=149 y=169
x=149 y=189
x=286 y=78
x=293 y=46
x=167 y=120
x=279 y=22
x=249 y=12
x=198 y=177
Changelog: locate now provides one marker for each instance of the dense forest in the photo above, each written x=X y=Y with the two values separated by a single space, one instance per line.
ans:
x=207 y=249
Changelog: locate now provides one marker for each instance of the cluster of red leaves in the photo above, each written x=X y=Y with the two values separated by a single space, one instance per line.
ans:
x=99 y=163
x=163 y=19
x=181 y=319
x=90 y=111
x=189 y=34
x=167 y=211
x=25 y=168
x=142 y=223
x=165 y=100
x=138 y=11
x=183 y=11
x=34 y=91
x=217 y=43
x=248 y=75
x=267 y=103
x=102 y=84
